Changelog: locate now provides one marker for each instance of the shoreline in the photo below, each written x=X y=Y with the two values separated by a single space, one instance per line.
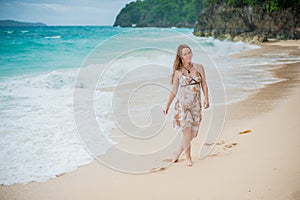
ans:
x=248 y=114
x=288 y=73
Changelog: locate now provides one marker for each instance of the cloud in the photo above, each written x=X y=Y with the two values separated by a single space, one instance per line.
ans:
x=62 y=12
x=48 y=6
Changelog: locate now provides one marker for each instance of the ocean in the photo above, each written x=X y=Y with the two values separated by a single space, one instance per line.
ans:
x=41 y=66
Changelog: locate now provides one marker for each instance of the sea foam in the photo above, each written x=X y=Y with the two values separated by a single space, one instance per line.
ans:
x=38 y=135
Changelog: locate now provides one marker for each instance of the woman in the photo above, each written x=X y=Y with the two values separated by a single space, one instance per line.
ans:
x=187 y=77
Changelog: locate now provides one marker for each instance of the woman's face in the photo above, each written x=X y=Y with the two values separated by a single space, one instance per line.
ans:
x=186 y=55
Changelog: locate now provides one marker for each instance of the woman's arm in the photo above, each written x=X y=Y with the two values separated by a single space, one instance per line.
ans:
x=172 y=93
x=204 y=85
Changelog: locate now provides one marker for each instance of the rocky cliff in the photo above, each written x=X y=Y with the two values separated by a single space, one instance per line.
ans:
x=250 y=24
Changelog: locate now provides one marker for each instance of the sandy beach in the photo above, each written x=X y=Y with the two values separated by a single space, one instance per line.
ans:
x=261 y=164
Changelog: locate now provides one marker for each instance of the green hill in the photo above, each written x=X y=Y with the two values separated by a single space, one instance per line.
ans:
x=17 y=23
x=159 y=13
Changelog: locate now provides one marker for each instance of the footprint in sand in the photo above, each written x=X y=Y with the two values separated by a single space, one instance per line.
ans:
x=226 y=147
x=208 y=144
x=215 y=154
x=157 y=169
x=171 y=160
x=217 y=143
x=220 y=142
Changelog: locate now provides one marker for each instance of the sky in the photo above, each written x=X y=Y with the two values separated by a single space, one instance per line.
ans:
x=62 y=12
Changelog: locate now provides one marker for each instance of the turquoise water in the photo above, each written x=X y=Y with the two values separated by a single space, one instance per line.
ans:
x=37 y=49
x=38 y=69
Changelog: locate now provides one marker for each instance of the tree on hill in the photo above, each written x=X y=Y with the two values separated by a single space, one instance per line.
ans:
x=161 y=13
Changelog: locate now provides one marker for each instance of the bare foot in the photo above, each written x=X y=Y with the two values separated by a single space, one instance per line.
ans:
x=189 y=163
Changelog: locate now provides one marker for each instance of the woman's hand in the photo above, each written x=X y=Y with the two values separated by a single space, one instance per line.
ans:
x=206 y=104
x=166 y=110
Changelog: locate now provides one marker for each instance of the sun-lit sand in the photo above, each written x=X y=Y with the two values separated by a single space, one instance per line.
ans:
x=262 y=163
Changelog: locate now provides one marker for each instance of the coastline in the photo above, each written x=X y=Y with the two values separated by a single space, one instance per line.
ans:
x=266 y=98
x=263 y=164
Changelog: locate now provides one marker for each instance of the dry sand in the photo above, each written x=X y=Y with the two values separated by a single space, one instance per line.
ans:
x=262 y=164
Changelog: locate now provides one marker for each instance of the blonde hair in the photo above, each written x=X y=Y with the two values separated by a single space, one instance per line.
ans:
x=178 y=61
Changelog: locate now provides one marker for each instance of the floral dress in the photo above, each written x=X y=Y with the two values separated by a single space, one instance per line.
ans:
x=188 y=105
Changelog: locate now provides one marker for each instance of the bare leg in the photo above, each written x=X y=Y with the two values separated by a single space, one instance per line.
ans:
x=195 y=129
x=194 y=134
x=187 y=137
x=185 y=144
x=180 y=150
